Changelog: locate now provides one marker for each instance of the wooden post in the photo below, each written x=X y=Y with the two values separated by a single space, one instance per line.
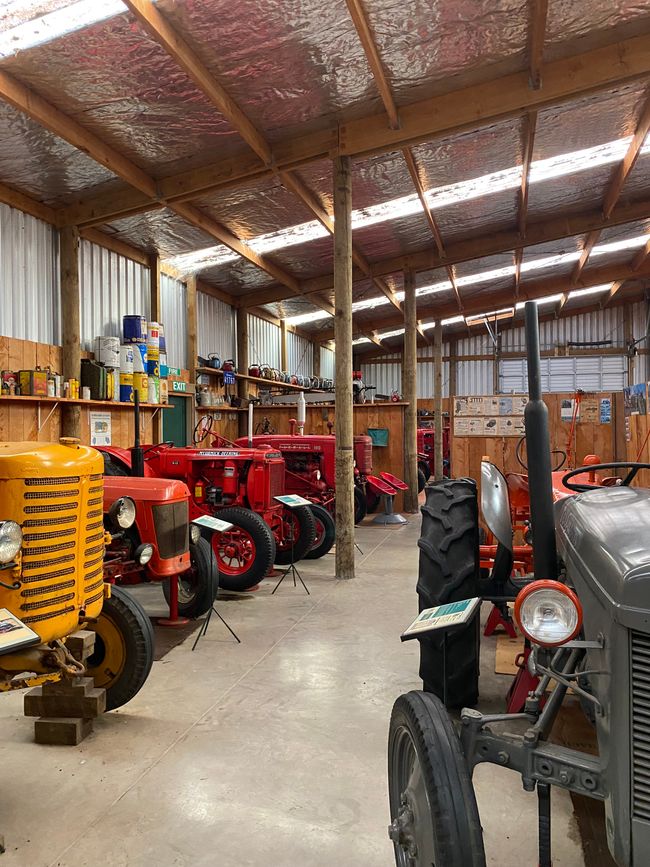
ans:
x=629 y=337
x=344 y=561
x=70 y=318
x=410 y=394
x=316 y=359
x=242 y=365
x=284 y=363
x=453 y=369
x=154 y=282
x=437 y=400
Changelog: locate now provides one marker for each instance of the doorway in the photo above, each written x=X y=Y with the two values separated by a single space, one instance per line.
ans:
x=175 y=421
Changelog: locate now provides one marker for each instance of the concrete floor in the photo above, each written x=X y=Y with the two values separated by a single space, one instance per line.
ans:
x=271 y=753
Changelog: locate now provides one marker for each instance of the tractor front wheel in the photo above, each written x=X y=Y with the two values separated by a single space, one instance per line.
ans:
x=124 y=646
x=246 y=553
x=298 y=535
x=425 y=469
x=449 y=572
x=360 y=506
x=197 y=588
x=433 y=810
x=325 y=532
x=422 y=480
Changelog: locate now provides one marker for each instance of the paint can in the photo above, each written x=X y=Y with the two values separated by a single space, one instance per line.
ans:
x=164 y=369
x=141 y=385
x=126 y=387
x=154 y=389
x=164 y=391
x=161 y=338
x=126 y=358
x=139 y=358
x=134 y=329
x=107 y=351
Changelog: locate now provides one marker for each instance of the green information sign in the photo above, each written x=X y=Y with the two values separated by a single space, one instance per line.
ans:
x=174 y=371
x=179 y=386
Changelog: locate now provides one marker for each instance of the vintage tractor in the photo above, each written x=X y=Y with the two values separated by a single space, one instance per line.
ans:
x=52 y=543
x=426 y=453
x=309 y=462
x=586 y=614
x=161 y=544
x=239 y=485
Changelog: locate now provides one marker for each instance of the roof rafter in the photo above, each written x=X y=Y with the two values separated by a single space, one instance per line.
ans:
x=616 y=285
x=538 y=11
x=589 y=243
x=468 y=108
x=627 y=163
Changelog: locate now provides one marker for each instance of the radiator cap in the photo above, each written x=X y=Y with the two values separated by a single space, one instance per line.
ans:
x=71 y=442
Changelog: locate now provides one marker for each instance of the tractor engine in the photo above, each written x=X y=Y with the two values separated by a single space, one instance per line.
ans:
x=602 y=537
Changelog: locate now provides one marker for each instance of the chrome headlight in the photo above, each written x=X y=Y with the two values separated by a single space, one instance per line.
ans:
x=195 y=534
x=122 y=513
x=144 y=553
x=11 y=539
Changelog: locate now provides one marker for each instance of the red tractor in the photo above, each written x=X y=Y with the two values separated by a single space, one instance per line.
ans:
x=159 y=543
x=426 y=440
x=310 y=472
x=238 y=485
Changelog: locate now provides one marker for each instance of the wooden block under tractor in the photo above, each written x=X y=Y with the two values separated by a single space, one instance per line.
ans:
x=74 y=686
x=88 y=706
x=65 y=731
x=81 y=644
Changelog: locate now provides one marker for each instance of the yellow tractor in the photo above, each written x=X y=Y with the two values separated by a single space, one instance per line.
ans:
x=52 y=542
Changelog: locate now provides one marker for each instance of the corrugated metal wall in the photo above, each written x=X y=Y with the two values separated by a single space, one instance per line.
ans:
x=300 y=354
x=263 y=342
x=607 y=324
x=326 y=363
x=588 y=372
x=215 y=327
x=387 y=376
x=29 y=269
x=173 y=309
x=111 y=287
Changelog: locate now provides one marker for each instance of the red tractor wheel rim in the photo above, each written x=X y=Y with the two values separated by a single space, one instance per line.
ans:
x=235 y=551
x=320 y=532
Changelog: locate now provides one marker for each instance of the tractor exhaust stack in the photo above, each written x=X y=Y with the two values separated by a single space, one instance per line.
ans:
x=137 y=455
x=538 y=446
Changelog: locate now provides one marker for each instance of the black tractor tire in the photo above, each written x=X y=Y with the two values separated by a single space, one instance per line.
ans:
x=449 y=572
x=422 y=480
x=197 y=588
x=305 y=524
x=427 y=770
x=360 y=506
x=325 y=533
x=425 y=469
x=263 y=556
x=121 y=669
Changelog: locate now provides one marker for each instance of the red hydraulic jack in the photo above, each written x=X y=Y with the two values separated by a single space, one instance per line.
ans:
x=173 y=620
x=523 y=684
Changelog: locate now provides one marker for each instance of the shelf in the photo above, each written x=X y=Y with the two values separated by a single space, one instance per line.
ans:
x=113 y=404
x=223 y=408
x=262 y=407
x=258 y=379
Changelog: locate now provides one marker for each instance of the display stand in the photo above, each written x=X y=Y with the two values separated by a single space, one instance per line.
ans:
x=292 y=501
x=213 y=525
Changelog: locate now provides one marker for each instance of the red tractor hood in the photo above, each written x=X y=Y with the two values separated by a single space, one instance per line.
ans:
x=144 y=490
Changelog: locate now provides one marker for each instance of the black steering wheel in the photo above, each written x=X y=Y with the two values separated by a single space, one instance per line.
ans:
x=203 y=427
x=633 y=466
x=167 y=444
x=522 y=463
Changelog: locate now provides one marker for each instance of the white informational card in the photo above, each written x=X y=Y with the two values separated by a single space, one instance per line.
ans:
x=442 y=617
x=14 y=633
x=292 y=501
x=213 y=524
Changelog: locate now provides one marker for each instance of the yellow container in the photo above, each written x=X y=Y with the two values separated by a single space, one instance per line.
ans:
x=141 y=385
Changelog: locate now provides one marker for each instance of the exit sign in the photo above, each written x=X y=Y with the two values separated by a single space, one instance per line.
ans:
x=179 y=386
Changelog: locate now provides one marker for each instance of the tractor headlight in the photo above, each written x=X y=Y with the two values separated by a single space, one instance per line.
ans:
x=122 y=513
x=11 y=538
x=195 y=534
x=144 y=553
x=317 y=475
x=548 y=613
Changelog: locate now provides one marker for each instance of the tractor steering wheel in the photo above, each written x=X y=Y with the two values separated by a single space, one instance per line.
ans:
x=202 y=429
x=633 y=466
x=167 y=444
x=520 y=460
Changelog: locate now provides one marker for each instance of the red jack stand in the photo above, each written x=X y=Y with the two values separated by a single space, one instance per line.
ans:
x=173 y=620
x=496 y=620
x=523 y=683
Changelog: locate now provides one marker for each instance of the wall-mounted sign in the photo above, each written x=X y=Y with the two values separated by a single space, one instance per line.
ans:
x=228 y=377
x=100 y=428
x=177 y=385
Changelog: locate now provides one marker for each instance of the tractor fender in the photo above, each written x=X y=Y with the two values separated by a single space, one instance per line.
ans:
x=495 y=504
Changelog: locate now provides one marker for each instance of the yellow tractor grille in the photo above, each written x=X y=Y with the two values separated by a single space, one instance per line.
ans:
x=96 y=537
x=96 y=525
x=94 y=598
x=47 y=603
x=49 y=522
x=48 y=549
x=95 y=586
x=50 y=588
x=42 y=483
x=55 y=534
x=49 y=507
x=43 y=564
x=36 y=618
x=96 y=501
x=52 y=495
x=48 y=576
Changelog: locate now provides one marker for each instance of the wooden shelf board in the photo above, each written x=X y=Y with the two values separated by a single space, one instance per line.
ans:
x=258 y=379
x=113 y=404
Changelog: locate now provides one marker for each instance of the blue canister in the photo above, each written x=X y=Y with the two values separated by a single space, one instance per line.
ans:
x=139 y=358
x=153 y=367
x=134 y=329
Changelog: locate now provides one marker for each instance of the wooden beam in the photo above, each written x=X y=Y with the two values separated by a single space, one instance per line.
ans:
x=208 y=289
x=536 y=32
x=155 y=288
x=641 y=257
x=284 y=364
x=18 y=200
x=466 y=108
x=115 y=246
x=192 y=324
x=423 y=333
x=616 y=285
x=419 y=186
x=588 y=245
x=528 y=147
x=70 y=323
x=410 y=394
x=518 y=256
x=627 y=164
x=360 y=19
x=344 y=559
x=242 y=343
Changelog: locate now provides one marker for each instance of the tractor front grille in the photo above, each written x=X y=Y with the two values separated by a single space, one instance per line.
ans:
x=172 y=528
x=276 y=479
x=640 y=658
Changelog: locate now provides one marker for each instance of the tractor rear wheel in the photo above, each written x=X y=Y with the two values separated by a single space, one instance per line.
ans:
x=197 y=588
x=360 y=507
x=246 y=553
x=448 y=572
x=325 y=533
x=434 y=815
x=299 y=534
x=422 y=480
x=124 y=647
x=424 y=467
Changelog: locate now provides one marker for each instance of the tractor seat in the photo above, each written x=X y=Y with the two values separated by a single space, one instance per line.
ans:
x=394 y=481
x=380 y=486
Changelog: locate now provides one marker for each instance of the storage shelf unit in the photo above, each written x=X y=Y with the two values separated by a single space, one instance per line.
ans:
x=258 y=380
x=113 y=404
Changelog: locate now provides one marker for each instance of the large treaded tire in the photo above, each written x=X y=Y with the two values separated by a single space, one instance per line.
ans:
x=124 y=615
x=446 y=820
x=304 y=523
x=360 y=507
x=325 y=533
x=422 y=481
x=448 y=572
x=198 y=586
x=264 y=556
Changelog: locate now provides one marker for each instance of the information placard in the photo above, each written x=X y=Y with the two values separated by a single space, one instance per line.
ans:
x=14 y=633
x=213 y=523
x=442 y=617
x=292 y=501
